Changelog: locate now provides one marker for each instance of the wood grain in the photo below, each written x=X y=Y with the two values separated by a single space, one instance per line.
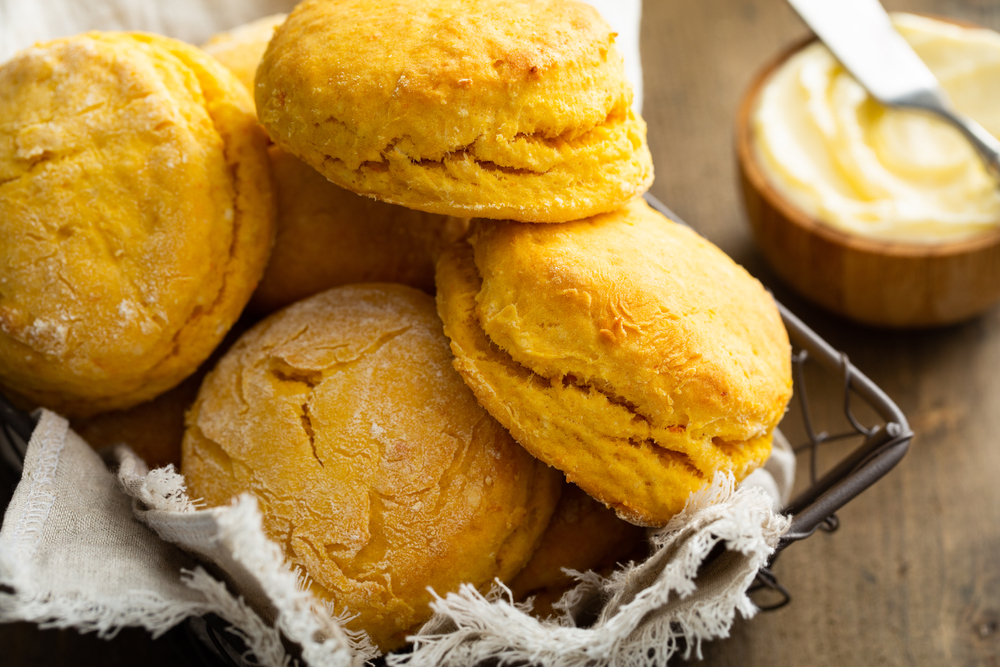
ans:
x=913 y=575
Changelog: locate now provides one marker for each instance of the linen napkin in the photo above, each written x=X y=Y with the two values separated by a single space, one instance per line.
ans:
x=81 y=547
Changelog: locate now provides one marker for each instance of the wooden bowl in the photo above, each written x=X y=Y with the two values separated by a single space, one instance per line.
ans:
x=885 y=283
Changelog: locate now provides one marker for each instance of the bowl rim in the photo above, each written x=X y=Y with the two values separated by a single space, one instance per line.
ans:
x=754 y=174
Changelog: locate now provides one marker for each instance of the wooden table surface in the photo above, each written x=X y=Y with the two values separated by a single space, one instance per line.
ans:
x=913 y=575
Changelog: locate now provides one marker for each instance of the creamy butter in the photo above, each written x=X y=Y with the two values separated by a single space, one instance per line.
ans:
x=839 y=155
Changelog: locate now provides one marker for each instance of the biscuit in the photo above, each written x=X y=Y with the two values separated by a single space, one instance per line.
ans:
x=583 y=535
x=137 y=215
x=623 y=349
x=376 y=470
x=511 y=109
x=153 y=430
x=328 y=236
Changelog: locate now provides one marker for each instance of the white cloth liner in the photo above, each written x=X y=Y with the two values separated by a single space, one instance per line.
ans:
x=647 y=611
x=83 y=548
x=62 y=532
x=76 y=551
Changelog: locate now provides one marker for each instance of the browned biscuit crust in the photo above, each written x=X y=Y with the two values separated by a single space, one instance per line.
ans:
x=515 y=109
x=376 y=470
x=623 y=349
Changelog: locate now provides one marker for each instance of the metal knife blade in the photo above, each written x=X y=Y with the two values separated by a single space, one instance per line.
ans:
x=862 y=37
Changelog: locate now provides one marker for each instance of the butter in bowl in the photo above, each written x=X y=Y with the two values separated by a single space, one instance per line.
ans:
x=886 y=216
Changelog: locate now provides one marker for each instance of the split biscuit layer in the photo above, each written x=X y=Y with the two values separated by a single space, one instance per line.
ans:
x=623 y=349
x=513 y=109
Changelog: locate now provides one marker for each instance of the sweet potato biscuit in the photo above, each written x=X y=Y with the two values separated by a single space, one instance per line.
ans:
x=583 y=535
x=376 y=469
x=623 y=349
x=136 y=213
x=328 y=236
x=515 y=109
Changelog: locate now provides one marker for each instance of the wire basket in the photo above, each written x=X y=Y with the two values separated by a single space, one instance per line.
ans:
x=881 y=446
x=203 y=641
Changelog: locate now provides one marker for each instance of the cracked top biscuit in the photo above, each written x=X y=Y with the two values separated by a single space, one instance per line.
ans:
x=136 y=213
x=623 y=349
x=510 y=109
x=376 y=470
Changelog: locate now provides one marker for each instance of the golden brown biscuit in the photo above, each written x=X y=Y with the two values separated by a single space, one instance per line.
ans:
x=583 y=535
x=328 y=236
x=515 y=109
x=137 y=215
x=623 y=349
x=376 y=469
x=240 y=49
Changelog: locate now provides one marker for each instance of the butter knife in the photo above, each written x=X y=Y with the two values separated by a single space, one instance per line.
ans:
x=861 y=36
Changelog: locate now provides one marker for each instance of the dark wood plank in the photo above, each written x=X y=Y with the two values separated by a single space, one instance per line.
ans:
x=24 y=644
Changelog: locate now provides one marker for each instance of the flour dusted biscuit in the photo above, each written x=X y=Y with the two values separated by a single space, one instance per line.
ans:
x=328 y=236
x=513 y=109
x=136 y=213
x=623 y=349
x=375 y=468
